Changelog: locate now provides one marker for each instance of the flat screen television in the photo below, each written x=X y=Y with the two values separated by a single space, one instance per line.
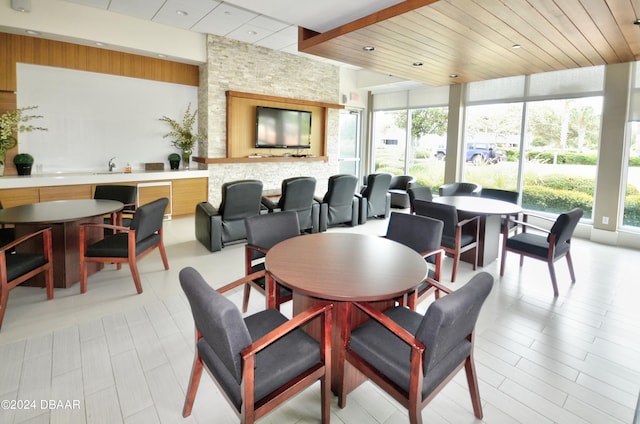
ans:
x=282 y=128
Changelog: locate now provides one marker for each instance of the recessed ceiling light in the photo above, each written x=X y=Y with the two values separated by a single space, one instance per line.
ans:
x=162 y=56
x=252 y=33
x=181 y=13
x=417 y=64
x=453 y=75
x=32 y=32
x=99 y=44
x=368 y=48
x=516 y=46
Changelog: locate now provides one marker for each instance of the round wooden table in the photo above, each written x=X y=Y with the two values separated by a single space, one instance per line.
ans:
x=64 y=217
x=489 y=211
x=341 y=268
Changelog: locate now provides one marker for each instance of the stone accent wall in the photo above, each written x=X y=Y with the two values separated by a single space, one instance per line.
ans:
x=234 y=65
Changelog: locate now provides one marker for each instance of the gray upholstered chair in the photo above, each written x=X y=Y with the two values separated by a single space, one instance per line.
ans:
x=550 y=246
x=419 y=193
x=217 y=227
x=127 y=194
x=16 y=266
x=264 y=232
x=505 y=196
x=340 y=205
x=424 y=235
x=375 y=199
x=412 y=357
x=398 y=190
x=458 y=236
x=257 y=362
x=127 y=245
x=460 y=189
x=297 y=194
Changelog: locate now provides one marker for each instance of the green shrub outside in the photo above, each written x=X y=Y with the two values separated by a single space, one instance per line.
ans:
x=548 y=199
x=631 y=214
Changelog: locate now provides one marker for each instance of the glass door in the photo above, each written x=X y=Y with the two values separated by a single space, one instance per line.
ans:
x=349 y=156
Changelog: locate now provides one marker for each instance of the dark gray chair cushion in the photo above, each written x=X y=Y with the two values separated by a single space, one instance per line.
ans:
x=340 y=204
x=225 y=334
x=460 y=189
x=297 y=194
x=217 y=227
x=398 y=188
x=147 y=221
x=375 y=197
x=443 y=330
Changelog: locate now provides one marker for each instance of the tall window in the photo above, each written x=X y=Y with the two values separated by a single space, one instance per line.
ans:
x=390 y=141
x=631 y=211
x=537 y=134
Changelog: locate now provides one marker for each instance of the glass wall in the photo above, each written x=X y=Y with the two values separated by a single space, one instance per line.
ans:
x=536 y=134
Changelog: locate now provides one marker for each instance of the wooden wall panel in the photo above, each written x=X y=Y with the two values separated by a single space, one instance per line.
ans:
x=187 y=194
x=38 y=51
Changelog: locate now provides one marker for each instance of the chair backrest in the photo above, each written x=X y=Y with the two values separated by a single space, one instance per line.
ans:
x=297 y=193
x=446 y=213
x=270 y=229
x=420 y=233
x=460 y=189
x=377 y=186
x=451 y=319
x=497 y=194
x=420 y=193
x=402 y=182
x=217 y=319
x=122 y=193
x=148 y=218
x=341 y=189
x=565 y=225
x=240 y=199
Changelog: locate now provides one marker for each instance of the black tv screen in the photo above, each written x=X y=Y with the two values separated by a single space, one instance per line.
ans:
x=282 y=128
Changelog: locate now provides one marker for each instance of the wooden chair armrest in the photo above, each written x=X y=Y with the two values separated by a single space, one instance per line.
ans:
x=258 y=248
x=392 y=326
x=526 y=215
x=436 y=252
x=107 y=226
x=468 y=221
x=287 y=327
x=440 y=287
x=20 y=240
x=241 y=281
x=526 y=225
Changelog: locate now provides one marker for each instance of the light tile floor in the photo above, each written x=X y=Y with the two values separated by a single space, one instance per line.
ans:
x=112 y=356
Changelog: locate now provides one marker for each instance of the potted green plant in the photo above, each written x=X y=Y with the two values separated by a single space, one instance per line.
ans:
x=182 y=134
x=23 y=163
x=174 y=161
x=13 y=122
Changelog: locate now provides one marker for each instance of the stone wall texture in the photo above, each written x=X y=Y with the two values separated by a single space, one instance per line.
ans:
x=238 y=66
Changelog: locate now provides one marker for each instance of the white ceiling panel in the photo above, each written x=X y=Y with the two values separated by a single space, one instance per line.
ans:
x=183 y=13
x=138 y=9
x=224 y=19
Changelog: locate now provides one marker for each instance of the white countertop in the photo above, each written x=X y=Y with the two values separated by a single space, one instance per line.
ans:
x=73 y=178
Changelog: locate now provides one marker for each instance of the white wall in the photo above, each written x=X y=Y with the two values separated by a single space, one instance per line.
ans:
x=92 y=117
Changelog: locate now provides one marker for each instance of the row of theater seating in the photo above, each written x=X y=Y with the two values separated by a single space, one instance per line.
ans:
x=343 y=204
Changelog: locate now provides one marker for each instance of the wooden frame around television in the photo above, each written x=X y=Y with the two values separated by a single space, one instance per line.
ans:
x=241 y=118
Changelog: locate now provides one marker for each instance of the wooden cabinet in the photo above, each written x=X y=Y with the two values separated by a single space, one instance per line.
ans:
x=183 y=193
x=188 y=193
x=11 y=197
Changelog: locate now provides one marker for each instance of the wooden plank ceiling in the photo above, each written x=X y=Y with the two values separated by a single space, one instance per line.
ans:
x=457 y=41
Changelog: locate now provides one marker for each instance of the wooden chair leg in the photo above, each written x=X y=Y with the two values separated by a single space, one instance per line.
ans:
x=136 y=275
x=194 y=382
x=570 y=264
x=245 y=301
x=4 y=294
x=325 y=398
x=163 y=255
x=48 y=278
x=554 y=281
x=472 y=380
x=415 y=414
x=456 y=261
x=83 y=276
